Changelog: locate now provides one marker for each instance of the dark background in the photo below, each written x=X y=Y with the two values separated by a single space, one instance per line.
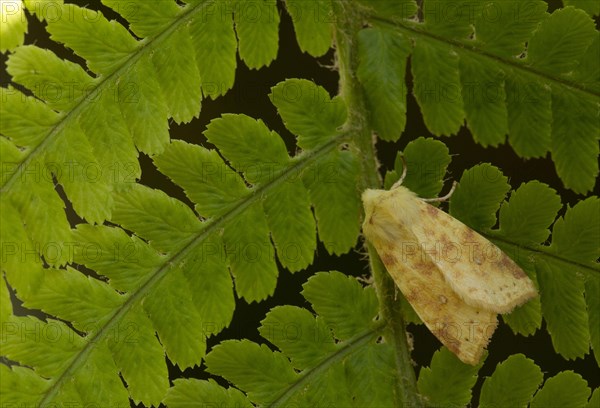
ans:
x=250 y=96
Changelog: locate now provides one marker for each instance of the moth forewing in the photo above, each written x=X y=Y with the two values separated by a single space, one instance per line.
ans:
x=476 y=269
x=458 y=296
x=464 y=329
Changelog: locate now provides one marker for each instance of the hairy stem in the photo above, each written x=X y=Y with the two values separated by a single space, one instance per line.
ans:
x=348 y=22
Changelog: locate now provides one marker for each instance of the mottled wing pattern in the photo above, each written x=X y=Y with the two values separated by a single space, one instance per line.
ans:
x=464 y=329
x=456 y=280
x=476 y=269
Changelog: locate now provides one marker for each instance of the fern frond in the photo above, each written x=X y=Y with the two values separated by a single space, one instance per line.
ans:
x=138 y=84
x=574 y=239
x=329 y=353
x=148 y=277
x=322 y=359
x=566 y=270
x=182 y=261
x=82 y=129
x=470 y=62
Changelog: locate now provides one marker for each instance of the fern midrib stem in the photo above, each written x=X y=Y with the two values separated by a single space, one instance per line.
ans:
x=348 y=348
x=414 y=28
x=544 y=251
x=301 y=162
x=348 y=24
x=73 y=114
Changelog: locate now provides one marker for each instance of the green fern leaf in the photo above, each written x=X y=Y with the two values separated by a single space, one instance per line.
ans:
x=451 y=22
x=164 y=222
x=517 y=373
x=436 y=76
x=20 y=384
x=213 y=38
x=571 y=139
x=124 y=260
x=577 y=234
x=50 y=351
x=252 y=367
x=330 y=368
x=19 y=344
x=470 y=61
x=147 y=19
x=484 y=100
x=158 y=279
x=575 y=237
x=396 y=9
x=309 y=112
x=426 y=163
x=136 y=94
x=74 y=297
x=105 y=51
x=183 y=98
x=381 y=72
x=140 y=358
x=503 y=28
x=326 y=292
x=565 y=389
x=594 y=399
x=560 y=41
x=40 y=228
x=588 y=72
x=40 y=71
x=299 y=102
x=257 y=28
x=447 y=381
x=181 y=336
x=591 y=6
x=529 y=213
x=135 y=90
x=312 y=22
x=478 y=196
x=214 y=187
x=329 y=184
x=296 y=332
x=529 y=115
x=369 y=368
x=186 y=393
x=538 y=205
x=253 y=143
x=186 y=259
x=14 y=25
x=592 y=299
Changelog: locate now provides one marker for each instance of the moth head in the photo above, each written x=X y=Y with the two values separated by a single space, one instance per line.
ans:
x=387 y=213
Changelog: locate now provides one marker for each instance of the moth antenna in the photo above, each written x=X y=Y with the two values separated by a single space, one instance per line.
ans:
x=403 y=176
x=444 y=198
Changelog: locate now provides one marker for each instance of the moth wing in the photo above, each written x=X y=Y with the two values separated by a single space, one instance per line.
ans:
x=476 y=269
x=464 y=329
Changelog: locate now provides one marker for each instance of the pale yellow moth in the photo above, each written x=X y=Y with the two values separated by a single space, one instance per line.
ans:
x=456 y=280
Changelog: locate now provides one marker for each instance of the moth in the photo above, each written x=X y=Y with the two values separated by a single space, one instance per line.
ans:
x=456 y=280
